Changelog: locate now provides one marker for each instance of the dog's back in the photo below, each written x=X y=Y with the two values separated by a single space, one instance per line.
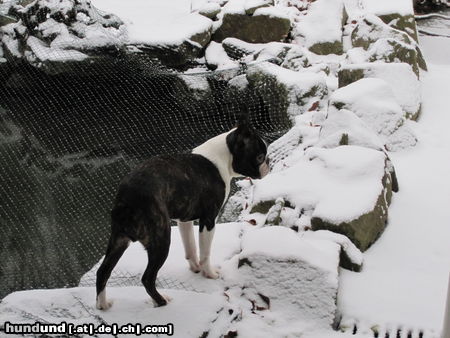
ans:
x=177 y=187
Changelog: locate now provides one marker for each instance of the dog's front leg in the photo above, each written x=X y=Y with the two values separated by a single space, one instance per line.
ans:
x=206 y=237
x=190 y=249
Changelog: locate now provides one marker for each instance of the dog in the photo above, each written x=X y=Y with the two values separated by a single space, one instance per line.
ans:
x=183 y=187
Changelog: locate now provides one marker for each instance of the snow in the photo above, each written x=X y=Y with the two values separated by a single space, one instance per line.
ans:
x=436 y=49
x=191 y=313
x=154 y=22
x=257 y=242
x=216 y=55
x=344 y=121
x=353 y=253
x=380 y=7
x=328 y=181
x=94 y=36
x=249 y=4
x=273 y=12
x=233 y=7
x=323 y=23
x=44 y=53
x=401 y=79
x=373 y=101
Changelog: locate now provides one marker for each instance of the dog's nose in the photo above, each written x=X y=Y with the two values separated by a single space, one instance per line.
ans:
x=264 y=168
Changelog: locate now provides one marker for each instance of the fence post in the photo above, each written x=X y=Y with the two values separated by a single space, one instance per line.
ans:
x=446 y=328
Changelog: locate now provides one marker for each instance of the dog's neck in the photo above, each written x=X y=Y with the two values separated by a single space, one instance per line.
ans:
x=216 y=150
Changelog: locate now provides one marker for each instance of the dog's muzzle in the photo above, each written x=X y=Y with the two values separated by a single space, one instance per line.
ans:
x=264 y=168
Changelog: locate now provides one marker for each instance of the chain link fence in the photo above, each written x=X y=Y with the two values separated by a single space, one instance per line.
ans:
x=70 y=131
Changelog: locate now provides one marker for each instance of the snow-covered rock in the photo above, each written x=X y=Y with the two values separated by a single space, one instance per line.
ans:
x=217 y=58
x=252 y=5
x=392 y=50
x=210 y=10
x=343 y=127
x=374 y=102
x=174 y=38
x=55 y=31
x=264 y=25
x=299 y=92
x=322 y=26
x=237 y=49
x=287 y=55
x=399 y=76
x=397 y=14
x=371 y=29
x=347 y=189
x=295 y=276
x=274 y=52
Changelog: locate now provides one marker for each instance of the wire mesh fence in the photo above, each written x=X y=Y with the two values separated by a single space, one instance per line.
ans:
x=69 y=132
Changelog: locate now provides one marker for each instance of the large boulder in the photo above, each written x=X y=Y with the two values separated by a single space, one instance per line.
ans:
x=400 y=77
x=392 y=50
x=374 y=102
x=296 y=277
x=371 y=29
x=173 y=44
x=397 y=14
x=346 y=190
x=265 y=25
x=343 y=127
x=322 y=27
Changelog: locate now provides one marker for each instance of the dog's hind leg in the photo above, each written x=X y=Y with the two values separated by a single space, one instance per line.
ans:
x=116 y=247
x=157 y=250
x=190 y=249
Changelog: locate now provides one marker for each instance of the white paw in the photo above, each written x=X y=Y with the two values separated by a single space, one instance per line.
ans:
x=167 y=298
x=210 y=273
x=103 y=304
x=194 y=265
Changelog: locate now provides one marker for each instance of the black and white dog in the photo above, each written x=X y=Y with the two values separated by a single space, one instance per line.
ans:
x=182 y=187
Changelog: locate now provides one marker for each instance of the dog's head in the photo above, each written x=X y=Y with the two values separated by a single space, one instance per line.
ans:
x=249 y=151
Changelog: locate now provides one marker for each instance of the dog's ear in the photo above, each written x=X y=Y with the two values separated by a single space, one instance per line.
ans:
x=243 y=119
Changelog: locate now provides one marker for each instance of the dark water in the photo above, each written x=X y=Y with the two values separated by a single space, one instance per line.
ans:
x=68 y=133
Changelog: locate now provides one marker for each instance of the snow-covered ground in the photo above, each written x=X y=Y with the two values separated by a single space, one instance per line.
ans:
x=405 y=277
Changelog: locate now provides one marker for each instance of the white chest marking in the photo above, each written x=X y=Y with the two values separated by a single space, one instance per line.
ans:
x=216 y=150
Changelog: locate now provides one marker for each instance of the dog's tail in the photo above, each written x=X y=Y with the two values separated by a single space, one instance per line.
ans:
x=125 y=219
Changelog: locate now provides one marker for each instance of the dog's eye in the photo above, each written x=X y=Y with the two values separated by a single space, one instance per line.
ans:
x=261 y=158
